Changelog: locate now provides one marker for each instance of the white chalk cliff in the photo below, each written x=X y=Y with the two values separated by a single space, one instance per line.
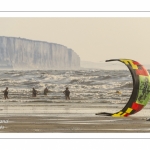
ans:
x=23 y=53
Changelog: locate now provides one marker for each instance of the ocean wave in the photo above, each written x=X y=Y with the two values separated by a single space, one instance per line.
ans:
x=101 y=77
x=127 y=85
x=83 y=84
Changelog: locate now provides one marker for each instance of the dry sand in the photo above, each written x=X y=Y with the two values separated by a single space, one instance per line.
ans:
x=69 y=117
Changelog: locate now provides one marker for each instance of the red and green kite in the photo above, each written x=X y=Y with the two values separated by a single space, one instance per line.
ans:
x=141 y=89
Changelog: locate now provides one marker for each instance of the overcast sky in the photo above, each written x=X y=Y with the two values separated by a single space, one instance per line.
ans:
x=93 y=39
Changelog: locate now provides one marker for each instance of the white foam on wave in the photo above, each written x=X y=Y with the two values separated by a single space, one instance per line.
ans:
x=84 y=84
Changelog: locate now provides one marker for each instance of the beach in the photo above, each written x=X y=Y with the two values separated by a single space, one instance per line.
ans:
x=92 y=91
x=69 y=116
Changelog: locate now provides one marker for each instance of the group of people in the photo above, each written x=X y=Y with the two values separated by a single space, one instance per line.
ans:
x=34 y=92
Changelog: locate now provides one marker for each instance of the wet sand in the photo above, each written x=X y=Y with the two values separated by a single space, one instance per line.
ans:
x=31 y=124
x=69 y=117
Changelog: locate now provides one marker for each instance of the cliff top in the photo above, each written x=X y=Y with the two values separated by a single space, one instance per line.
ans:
x=34 y=41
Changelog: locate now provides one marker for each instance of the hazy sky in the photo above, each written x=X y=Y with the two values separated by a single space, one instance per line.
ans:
x=93 y=39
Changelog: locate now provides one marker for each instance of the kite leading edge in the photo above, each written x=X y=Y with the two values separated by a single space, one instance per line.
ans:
x=141 y=89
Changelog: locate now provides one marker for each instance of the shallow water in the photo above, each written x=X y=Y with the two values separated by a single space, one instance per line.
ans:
x=94 y=85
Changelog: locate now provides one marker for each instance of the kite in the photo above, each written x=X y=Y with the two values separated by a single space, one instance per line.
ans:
x=141 y=89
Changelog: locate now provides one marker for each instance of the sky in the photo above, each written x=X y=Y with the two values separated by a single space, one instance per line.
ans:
x=94 y=39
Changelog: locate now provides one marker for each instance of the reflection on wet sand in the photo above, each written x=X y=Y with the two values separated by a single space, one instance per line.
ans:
x=69 y=117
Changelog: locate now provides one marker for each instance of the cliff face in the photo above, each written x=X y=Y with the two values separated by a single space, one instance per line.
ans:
x=28 y=54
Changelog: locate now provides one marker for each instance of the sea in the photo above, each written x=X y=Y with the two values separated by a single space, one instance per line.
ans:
x=92 y=85
x=92 y=91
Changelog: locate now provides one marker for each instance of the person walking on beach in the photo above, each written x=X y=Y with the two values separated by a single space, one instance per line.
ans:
x=67 y=93
x=6 y=93
x=45 y=91
x=34 y=92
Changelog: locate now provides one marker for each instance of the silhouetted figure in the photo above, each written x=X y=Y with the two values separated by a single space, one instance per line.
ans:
x=34 y=92
x=67 y=93
x=6 y=93
x=45 y=91
x=118 y=92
